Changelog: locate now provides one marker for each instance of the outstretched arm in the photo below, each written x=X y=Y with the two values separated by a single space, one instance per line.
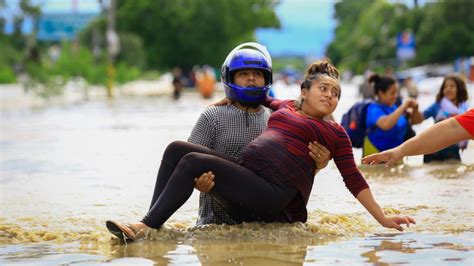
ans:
x=366 y=198
x=435 y=138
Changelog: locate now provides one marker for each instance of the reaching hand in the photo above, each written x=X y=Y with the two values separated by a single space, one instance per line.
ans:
x=205 y=182
x=396 y=221
x=389 y=157
x=320 y=154
x=410 y=103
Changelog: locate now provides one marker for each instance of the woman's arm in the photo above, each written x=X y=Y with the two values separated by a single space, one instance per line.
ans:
x=274 y=104
x=435 y=138
x=366 y=198
x=386 y=122
x=440 y=135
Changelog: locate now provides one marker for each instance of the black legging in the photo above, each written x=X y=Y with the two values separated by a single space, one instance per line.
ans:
x=246 y=195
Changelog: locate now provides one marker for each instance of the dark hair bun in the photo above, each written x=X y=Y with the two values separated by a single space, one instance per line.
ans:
x=374 y=78
x=323 y=67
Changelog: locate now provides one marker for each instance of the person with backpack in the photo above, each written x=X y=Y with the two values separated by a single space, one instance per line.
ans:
x=272 y=179
x=354 y=122
x=386 y=122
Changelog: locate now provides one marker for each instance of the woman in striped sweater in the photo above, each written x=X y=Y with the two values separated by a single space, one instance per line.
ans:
x=272 y=180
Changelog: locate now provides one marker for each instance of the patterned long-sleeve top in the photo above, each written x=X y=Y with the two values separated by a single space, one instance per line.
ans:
x=281 y=155
x=225 y=130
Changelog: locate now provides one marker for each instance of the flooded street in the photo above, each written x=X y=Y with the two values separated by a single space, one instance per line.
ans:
x=66 y=168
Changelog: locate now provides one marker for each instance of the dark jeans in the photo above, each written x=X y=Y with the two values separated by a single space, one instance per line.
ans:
x=247 y=196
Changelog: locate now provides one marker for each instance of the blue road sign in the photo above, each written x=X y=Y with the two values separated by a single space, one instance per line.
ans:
x=406 y=46
x=60 y=26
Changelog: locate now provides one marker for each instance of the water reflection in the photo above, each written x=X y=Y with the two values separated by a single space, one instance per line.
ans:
x=452 y=170
x=216 y=252
x=389 y=249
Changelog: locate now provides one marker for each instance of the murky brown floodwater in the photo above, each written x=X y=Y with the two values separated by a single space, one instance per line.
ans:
x=65 y=169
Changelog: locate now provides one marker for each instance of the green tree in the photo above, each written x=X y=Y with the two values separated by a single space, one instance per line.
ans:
x=446 y=32
x=347 y=13
x=370 y=39
x=366 y=32
x=189 y=32
x=14 y=46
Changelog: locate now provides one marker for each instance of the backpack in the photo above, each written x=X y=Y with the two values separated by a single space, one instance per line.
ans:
x=354 y=122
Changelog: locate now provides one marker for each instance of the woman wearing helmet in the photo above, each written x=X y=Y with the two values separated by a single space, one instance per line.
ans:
x=247 y=77
x=248 y=56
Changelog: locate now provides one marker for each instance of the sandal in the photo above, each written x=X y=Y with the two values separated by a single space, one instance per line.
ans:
x=125 y=232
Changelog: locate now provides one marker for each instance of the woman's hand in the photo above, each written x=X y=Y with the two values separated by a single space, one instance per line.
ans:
x=396 y=222
x=320 y=154
x=410 y=103
x=205 y=182
x=389 y=157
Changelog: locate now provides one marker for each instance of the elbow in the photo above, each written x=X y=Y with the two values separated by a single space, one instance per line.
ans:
x=385 y=126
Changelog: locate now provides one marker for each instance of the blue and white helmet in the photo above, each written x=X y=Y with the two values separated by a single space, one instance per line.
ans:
x=248 y=55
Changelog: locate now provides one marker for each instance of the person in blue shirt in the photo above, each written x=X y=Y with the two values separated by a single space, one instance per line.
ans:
x=451 y=100
x=386 y=120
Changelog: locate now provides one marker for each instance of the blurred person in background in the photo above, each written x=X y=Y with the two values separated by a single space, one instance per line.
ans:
x=387 y=123
x=365 y=88
x=410 y=86
x=451 y=100
x=177 y=82
x=205 y=81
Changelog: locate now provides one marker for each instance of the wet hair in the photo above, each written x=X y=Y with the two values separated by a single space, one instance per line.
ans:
x=461 y=90
x=318 y=69
x=381 y=83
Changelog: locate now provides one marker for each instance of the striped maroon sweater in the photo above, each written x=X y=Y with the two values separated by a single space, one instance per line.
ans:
x=281 y=155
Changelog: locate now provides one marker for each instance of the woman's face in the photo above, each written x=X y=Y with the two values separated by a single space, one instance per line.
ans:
x=450 y=90
x=389 y=97
x=322 y=98
x=249 y=78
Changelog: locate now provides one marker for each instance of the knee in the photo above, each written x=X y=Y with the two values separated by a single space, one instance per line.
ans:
x=175 y=146
x=174 y=149
x=192 y=162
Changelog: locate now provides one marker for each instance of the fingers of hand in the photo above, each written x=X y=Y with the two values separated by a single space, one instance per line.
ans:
x=205 y=181
x=319 y=151
x=408 y=220
x=371 y=160
x=389 y=163
x=395 y=223
x=208 y=178
x=404 y=220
